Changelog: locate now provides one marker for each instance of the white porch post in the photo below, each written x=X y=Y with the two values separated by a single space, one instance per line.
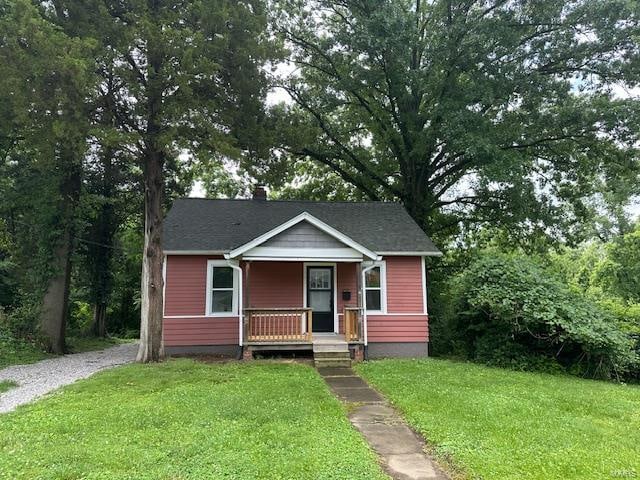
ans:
x=364 y=301
x=236 y=266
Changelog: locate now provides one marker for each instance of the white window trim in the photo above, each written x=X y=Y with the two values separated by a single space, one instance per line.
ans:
x=383 y=288
x=234 y=302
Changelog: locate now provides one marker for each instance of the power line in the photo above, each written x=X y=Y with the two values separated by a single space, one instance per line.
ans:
x=79 y=239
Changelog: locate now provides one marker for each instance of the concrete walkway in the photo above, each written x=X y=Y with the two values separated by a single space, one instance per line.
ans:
x=37 y=379
x=400 y=449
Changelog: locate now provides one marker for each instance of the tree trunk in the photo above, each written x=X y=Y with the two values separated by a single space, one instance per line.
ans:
x=151 y=346
x=99 y=319
x=55 y=304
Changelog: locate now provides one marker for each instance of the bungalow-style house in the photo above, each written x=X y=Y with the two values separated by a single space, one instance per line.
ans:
x=344 y=279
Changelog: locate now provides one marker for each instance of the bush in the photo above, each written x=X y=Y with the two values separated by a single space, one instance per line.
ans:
x=509 y=311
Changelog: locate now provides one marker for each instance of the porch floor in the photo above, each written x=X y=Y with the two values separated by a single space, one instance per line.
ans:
x=318 y=339
x=328 y=338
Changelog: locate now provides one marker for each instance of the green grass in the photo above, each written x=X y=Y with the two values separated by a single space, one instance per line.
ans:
x=87 y=344
x=6 y=385
x=498 y=424
x=187 y=420
x=19 y=352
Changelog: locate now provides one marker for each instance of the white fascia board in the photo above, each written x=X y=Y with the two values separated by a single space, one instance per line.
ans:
x=303 y=259
x=279 y=252
x=304 y=216
x=413 y=254
x=194 y=252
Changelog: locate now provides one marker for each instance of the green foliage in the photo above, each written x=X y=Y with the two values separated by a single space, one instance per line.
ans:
x=188 y=420
x=498 y=424
x=621 y=271
x=509 y=310
x=17 y=351
x=80 y=317
x=469 y=113
x=6 y=385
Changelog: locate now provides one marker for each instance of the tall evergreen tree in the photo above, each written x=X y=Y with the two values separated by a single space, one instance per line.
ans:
x=189 y=81
x=45 y=80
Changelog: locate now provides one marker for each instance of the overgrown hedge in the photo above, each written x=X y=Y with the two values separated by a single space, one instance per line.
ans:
x=507 y=310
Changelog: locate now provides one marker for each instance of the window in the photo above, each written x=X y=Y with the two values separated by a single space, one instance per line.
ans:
x=222 y=287
x=375 y=288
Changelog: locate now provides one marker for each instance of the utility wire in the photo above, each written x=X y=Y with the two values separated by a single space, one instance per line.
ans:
x=79 y=239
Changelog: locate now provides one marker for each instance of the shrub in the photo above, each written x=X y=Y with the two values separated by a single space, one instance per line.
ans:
x=510 y=311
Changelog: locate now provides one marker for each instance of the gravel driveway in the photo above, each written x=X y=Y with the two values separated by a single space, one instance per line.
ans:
x=36 y=379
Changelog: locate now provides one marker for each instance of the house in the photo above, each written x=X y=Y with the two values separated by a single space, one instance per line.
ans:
x=250 y=275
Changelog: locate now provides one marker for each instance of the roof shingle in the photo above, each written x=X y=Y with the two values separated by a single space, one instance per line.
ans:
x=197 y=224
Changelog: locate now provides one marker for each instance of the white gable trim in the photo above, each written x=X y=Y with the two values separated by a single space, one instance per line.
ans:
x=291 y=253
x=304 y=216
x=412 y=254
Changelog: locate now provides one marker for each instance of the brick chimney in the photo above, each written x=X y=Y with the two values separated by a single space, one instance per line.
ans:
x=259 y=193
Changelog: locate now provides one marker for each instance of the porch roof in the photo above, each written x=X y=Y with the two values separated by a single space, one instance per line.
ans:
x=208 y=225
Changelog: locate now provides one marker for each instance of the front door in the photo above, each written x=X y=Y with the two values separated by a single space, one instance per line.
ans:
x=320 y=297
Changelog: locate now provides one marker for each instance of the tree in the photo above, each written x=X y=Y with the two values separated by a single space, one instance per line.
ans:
x=468 y=112
x=620 y=271
x=45 y=79
x=188 y=80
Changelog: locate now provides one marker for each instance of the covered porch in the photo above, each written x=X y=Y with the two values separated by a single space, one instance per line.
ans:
x=303 y=283
x=292 y=328
x=291 y=304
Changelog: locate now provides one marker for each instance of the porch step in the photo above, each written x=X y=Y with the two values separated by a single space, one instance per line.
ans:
x=325 y=363
x=332 y=358
x=330 y=347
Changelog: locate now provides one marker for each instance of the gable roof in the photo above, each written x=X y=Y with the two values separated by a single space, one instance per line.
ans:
x=212 y=225
x=303 y=217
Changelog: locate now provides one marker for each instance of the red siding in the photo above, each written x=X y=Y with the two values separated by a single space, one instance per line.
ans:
x=280 y=284
x=404 y=285
x=201 y=331
x=401 y=328
x=185 y=294
x=274 y=285
x=404 y=295
x=186 y=278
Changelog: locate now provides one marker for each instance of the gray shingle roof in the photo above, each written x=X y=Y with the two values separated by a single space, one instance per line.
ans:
x=197 y=224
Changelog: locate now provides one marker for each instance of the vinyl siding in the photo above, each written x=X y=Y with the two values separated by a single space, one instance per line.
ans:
x=404 y=285
x=280 y=285
x=303 y=235
x=274 y=285
x=404 y=296
x=185 y=291
x=201 y=331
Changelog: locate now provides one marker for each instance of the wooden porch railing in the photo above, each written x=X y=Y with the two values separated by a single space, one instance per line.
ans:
x=278 y=324
x=352 y=327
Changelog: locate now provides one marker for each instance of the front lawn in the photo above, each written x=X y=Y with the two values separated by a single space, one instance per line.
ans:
x=499 y=424
x=187 y=420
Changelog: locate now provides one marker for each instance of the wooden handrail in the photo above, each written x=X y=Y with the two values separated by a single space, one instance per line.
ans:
x=351 y=317
x=278 y=325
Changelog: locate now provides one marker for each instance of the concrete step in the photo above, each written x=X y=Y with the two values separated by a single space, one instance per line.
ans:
x=331 y=347
x=340 y=354
x=332 y=362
